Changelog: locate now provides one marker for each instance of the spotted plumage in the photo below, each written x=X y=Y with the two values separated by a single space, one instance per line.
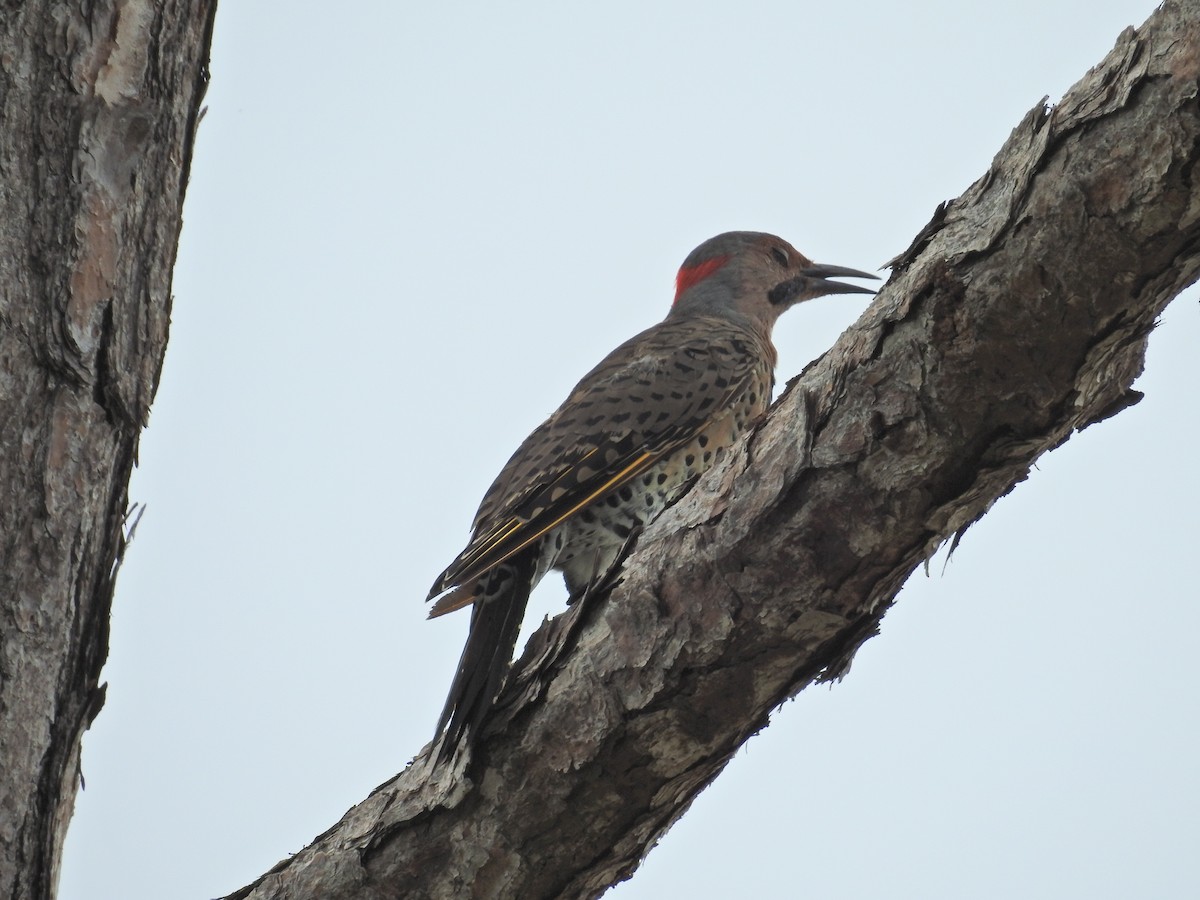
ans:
x=632 y=435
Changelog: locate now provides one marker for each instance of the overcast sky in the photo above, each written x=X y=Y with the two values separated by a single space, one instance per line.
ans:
x=410 y=229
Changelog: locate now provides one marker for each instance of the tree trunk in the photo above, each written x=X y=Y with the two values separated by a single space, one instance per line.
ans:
x=99 y=104
x=1018 y=316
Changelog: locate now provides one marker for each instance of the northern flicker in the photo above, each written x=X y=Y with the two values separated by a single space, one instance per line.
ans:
x=629 y=439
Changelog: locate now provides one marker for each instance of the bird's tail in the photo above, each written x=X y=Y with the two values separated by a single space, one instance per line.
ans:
x=495 y=623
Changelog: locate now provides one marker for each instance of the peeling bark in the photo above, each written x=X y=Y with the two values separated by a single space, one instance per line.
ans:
x=1017 y=317
x=99 y=104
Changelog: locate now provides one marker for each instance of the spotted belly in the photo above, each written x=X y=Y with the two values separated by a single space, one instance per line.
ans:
x=585 y=546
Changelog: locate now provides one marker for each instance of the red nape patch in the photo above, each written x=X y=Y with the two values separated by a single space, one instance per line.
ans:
x=692 y=275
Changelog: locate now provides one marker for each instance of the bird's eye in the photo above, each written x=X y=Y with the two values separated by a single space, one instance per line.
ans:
x=780 y=256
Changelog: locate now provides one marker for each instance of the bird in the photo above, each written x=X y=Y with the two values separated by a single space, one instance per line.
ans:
x=631 y=437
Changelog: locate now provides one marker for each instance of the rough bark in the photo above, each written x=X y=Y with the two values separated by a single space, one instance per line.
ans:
x=99 y=104
x=1018 y=316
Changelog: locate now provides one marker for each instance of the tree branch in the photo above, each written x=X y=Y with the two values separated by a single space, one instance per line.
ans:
x=1018 y=316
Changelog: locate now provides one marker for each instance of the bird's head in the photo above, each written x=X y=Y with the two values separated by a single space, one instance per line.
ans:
x=754 y=275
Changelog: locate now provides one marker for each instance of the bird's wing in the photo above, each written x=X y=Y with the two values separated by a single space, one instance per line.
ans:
x=649 y=397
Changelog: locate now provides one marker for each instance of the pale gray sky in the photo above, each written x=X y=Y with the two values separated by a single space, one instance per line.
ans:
x=410 y=229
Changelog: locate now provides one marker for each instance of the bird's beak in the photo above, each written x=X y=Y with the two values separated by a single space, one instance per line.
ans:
x=820 y=274
x=814 y=282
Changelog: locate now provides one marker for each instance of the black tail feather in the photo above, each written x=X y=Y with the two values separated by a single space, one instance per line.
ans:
x=495 y=623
